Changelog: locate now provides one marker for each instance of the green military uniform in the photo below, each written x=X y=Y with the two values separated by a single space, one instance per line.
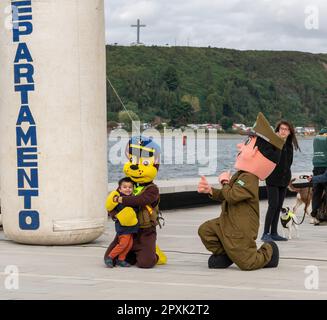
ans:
x=235 y=231
x=231 y=237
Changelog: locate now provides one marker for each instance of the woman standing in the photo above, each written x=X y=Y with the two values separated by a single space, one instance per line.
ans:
x=278 y=181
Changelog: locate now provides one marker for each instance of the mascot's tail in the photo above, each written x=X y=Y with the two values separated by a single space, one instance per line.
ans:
x=162 y=257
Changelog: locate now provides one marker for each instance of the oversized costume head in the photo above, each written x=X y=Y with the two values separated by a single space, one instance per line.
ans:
x=144 y=157
x=260 y=153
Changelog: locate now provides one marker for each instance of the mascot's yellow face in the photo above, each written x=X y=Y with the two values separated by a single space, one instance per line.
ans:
x=141 y=167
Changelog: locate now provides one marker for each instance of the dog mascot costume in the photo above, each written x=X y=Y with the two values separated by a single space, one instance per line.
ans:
x=231 y=237
x=144 y=156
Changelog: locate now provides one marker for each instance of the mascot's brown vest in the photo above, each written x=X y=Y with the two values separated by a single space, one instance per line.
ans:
x=147 y=216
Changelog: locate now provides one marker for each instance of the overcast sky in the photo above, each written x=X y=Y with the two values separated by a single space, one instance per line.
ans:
x=299 y=25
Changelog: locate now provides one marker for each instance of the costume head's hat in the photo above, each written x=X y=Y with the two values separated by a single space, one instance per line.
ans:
x=268 y=142
x=262 y=129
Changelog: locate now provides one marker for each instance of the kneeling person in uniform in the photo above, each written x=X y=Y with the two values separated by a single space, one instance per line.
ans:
x=231 y=237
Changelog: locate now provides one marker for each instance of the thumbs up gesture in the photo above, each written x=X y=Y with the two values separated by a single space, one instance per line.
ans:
x=203 y=186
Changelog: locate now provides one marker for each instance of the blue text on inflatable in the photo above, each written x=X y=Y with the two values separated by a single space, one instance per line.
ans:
x=26 y=129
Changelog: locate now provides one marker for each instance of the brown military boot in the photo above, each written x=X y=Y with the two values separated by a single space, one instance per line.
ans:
x=273 y=263
x=220 y=261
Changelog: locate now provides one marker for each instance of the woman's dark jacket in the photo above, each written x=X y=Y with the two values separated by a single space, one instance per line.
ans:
x=281 y=176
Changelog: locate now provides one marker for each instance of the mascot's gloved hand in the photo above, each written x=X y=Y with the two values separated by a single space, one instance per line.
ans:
x=110 y=204
x=162 y=257
x=127 y=217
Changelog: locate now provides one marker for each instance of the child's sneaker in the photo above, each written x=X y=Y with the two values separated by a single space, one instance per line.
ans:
x=109 y=262
x=122 y=263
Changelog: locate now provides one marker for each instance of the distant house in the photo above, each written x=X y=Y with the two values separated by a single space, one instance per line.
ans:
x=146 y=126
x=299 y=130
x=305 y=131
x=309 y=131
x=203 y=126
x=206 y=126
x=193 y=126
x=218 y=127
x=239 y=126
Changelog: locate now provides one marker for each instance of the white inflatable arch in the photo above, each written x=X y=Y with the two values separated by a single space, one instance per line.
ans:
x=53 y=141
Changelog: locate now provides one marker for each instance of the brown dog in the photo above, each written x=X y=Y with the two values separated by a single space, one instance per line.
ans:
x=304 y=196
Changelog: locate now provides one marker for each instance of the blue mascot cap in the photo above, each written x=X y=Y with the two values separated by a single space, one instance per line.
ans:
x=143 y=147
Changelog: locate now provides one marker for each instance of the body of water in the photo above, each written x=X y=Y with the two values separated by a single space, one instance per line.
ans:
x=194 y=159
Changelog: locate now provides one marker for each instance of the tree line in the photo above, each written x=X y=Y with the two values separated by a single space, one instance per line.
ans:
x=181 y=85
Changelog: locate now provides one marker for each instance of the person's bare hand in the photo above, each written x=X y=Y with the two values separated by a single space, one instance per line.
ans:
x=203 y=186
x=224 y=177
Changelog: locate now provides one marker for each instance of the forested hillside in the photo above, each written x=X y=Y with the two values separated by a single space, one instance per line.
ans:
x=208 y=85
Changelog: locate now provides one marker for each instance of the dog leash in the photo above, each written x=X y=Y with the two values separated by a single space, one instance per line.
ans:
x=301 y=220
x=304 y=211
x=290 y=217
x=309 y=190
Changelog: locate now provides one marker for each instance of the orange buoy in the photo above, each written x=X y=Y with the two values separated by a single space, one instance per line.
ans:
x=184 y=140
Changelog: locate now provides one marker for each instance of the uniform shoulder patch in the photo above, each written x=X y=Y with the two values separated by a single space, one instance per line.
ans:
x=240 y=182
